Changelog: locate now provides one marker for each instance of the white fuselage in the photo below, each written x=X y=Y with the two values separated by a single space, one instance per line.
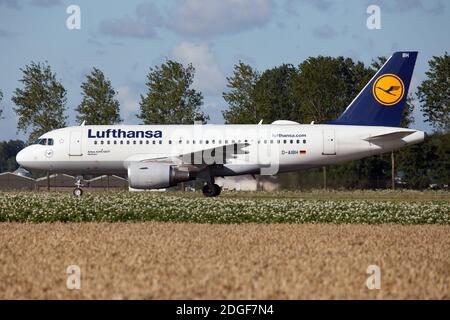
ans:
x=269 y=149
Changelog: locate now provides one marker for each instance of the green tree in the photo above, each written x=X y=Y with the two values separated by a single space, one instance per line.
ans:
x=274 y=95
x=325 y=86
x=40 y=105
x=434 y=93
x=367 y=173
x=241 y=96
x=426 y=163
x=8 y=152
x=377 y=63
x=170 y=98
x=99 y=105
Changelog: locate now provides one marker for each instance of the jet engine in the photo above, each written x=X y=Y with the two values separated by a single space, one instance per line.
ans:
x=145 y=175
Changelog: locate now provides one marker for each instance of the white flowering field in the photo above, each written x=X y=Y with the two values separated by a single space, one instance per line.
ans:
x=177 y=207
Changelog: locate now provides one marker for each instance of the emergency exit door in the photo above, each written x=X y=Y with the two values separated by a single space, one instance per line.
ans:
x=329 y=142
x=75 y=144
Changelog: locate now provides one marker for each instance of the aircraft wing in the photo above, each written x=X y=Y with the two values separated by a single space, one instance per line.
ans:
x=204 y=157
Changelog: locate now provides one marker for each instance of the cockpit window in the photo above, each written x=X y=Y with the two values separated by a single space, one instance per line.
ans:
x=41 y=142
x=44 y=142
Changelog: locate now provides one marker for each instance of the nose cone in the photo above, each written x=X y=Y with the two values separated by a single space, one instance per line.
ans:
x=21 y=157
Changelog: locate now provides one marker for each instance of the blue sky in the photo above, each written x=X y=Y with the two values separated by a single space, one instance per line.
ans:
x=125 y=38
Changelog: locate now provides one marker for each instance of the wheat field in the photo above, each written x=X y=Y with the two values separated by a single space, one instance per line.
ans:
x=163 y=260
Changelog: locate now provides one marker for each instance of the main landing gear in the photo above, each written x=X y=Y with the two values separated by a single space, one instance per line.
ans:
x=211 y=190
x=78 y=192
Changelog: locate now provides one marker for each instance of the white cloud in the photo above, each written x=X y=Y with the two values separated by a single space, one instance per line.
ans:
x=7 y=34
x=10 y=3
x=140 y=25
x=208 y=77
x=202 y=18
x=321 y=5
x=129 y=105
x=206 y=18
x=325 y=32
x=46 y=3
x=433 y=7
x=126 y=26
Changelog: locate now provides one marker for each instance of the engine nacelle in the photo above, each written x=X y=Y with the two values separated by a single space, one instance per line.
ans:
x=142 y=175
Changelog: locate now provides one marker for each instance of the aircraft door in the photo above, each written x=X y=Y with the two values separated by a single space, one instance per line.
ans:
x=329 y=142
x=75 y=144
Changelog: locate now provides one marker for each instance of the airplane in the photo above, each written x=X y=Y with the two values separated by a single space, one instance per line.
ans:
x=161 y=156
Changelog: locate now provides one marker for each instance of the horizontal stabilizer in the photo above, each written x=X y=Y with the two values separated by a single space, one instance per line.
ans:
x=389 y=136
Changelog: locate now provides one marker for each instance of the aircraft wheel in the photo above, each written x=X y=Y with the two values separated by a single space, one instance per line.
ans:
x=217 y=190
x=211 y=190
x=77 y=192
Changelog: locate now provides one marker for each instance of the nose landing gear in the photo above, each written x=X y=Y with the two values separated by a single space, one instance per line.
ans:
x=78 y=192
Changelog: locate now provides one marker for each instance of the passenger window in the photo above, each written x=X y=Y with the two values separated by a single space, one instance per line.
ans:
x=128 y=141
x=50 y=142
x=108 y=142
x=95 y=142
x=160 y=141
x=292 y=141
x=170 y=141
x=284 y=141
x=206 y=141
x=278 y=141
x=298 y=141
x=121 y=141
x=101 y=142
x=304 y=141
x=134 y=141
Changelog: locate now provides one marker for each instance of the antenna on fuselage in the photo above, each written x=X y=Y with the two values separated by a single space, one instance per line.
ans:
x=83 y=123
x=260 y=122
